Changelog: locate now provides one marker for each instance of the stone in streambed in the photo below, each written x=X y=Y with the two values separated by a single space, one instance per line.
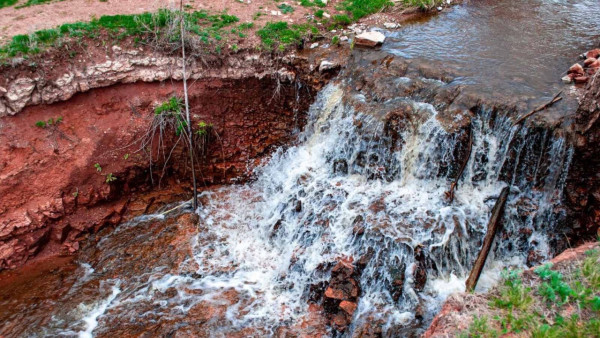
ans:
x=589 y=61
x=327 y=65
x=370 y=39
x=594 y=53
x=576 y=69
x=348 y=307
x=581 y=79
x=567 y=79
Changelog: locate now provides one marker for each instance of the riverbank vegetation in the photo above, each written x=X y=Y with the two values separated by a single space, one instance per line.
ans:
x=561 y=301
x=211 y=31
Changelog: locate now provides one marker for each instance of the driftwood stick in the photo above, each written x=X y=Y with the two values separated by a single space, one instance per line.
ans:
x=555 y=99
x=493 y=226
x=177 y=207
x=450 y=193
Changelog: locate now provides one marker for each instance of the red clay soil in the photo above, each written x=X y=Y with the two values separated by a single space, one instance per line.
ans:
x=51 y=190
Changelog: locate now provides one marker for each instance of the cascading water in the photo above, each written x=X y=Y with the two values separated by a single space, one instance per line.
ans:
x=346 y=193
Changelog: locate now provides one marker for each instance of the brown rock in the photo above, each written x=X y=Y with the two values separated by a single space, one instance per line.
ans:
x=348 y=307
x=581 y=79
x=576 y=69
x=589 y=61
x=594 y=53
x=340 y=321
x=335 y=293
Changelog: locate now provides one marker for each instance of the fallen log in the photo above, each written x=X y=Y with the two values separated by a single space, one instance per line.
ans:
x=493 y=226
x=450 y=193
x=555 y=99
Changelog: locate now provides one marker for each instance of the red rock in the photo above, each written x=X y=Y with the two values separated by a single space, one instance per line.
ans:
x=591 y=71
x=340 y=321
x=576 y=69
x=594 y=53
x=335 y=293
x=595 y=64
x=589 y=61
x=581 y=79
x=348 y=307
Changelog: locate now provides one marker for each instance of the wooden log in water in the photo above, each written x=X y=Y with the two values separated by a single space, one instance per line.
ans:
x=493 y=226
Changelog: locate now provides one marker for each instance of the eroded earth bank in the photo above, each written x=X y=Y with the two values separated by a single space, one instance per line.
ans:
x=326 y=206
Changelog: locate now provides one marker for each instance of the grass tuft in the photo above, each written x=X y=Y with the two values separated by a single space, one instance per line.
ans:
x=361 y=8
x=280 y=34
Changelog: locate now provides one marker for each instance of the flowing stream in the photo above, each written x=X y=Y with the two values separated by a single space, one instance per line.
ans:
x=346 y=191
x=341 y=193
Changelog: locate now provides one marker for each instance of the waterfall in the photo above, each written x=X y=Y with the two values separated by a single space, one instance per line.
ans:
x=356 y=188
x=342 y=193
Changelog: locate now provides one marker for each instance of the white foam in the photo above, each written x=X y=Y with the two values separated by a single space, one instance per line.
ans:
x=91 y=319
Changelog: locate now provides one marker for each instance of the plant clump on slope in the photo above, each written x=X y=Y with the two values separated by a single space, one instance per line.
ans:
x=555 y=304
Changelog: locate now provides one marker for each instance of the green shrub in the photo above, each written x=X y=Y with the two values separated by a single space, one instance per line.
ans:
x=34 y=2
x=342 y=19
x=285 y=9
x=513 y=294
x=7 y=3
x=51 y=122
x=554 y=289
x=310 y=3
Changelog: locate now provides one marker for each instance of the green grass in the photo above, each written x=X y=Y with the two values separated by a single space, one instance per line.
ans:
x=539 y=312
x=172 y=108
x=172 y=105
x=285 y=9
x=7 y=3
x=361 y=8
x=209 y=28
x=311 y=3
x=35 y=2
x=281 y=35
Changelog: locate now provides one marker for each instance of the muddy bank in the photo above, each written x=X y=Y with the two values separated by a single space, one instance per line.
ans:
x=53 y=177
x=583 y=184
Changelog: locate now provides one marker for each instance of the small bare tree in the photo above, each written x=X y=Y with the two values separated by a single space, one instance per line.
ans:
x=187 y=106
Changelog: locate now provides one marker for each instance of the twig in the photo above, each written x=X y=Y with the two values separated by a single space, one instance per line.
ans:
x=177 y=207
x=450 y=193
x=555 y=99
